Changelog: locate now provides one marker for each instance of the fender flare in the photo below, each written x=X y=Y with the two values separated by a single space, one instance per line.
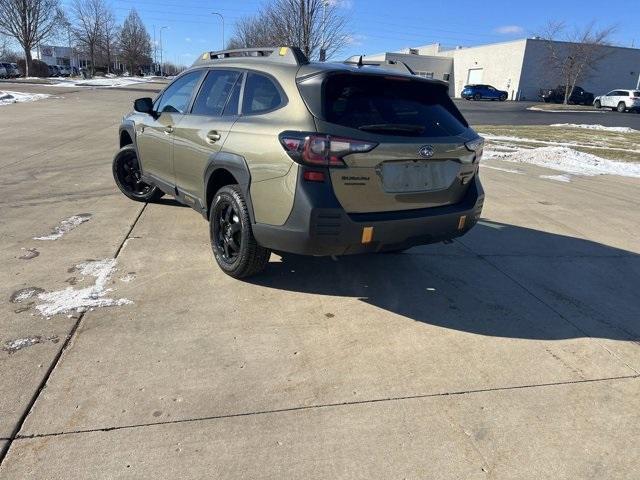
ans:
x=237 y=166
x=129 y=127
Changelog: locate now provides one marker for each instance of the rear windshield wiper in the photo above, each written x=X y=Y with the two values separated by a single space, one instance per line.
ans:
x=392 y=127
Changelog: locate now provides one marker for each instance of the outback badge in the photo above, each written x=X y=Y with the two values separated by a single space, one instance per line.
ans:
x=426 y=151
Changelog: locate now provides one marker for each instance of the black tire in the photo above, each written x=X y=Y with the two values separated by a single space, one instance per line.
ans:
x=126 y=173
x=598 y=105
x=234 y=247
x=503 y=97
x=477 y=97
x=621 y=107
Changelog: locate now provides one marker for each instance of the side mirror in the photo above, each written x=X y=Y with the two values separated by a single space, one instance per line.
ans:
x=143 y=105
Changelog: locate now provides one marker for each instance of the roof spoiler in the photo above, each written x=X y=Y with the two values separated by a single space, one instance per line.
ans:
x=386 y=64
x=285 y=55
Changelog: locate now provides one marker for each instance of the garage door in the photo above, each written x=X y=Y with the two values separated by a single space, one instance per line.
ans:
x=475 y=76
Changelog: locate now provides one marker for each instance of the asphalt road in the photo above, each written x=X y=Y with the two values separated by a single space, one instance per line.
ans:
x=516 y=113
x=512 y=353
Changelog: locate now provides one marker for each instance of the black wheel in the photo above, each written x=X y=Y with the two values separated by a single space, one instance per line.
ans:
x=503 y=97
x=126 y=173
x=234 y=247
x=477 y=97
x=621 y=107
x=598 y=105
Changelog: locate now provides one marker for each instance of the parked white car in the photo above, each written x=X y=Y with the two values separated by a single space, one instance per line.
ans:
x=620 y=100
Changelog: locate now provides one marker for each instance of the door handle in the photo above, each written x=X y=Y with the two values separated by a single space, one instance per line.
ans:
x=213 y=136
x=168 y=130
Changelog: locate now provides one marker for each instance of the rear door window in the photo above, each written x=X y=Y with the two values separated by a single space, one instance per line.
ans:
x=391 y=106
x=215 y=92
x=261 y=95
x=176 y=98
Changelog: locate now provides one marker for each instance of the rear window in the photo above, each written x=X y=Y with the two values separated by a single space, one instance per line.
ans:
x=391 y=106
x=260 y=95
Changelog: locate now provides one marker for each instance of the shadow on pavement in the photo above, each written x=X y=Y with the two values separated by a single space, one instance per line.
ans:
x=509 y=282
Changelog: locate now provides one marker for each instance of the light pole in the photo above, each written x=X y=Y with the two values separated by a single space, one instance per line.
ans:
x=221 y=18
x=161 y=28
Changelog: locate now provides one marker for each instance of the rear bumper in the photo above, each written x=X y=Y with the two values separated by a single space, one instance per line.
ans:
x=318 y=225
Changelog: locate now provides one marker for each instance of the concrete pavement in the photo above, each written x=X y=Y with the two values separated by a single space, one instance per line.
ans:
x=512 y=353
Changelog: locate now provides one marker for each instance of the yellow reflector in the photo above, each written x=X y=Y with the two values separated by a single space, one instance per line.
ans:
x=461 y=222
x=367 y=234
x=283 y=51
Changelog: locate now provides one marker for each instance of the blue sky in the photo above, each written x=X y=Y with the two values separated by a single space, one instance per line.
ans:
x=377 y=25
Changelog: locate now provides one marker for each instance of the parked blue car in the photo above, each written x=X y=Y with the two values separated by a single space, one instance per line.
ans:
x=483 y=92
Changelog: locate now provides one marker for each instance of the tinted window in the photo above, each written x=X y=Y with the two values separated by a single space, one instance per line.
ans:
x=635 y=94
x=391 y=106
x=215 y=92
x=260 y=94
x=234 y=102
x=176 y=97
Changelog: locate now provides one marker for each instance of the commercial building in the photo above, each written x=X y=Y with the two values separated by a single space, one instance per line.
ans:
x=62 y=56
x=521 y=67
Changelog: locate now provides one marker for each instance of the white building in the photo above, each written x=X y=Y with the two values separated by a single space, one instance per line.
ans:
x=62 y=56
x=521 y=67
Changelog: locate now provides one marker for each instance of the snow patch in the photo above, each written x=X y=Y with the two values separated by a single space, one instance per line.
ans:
x=25 y=294
x=567 y=160
x=506 y=138
x=70 y=299
x=66 y=226
x=557 y=178
x=107 y=82
x=508 y=170
x=12 y=346
x=7 y=97
x=538 y=109
x=129 y=277
x=595 y=127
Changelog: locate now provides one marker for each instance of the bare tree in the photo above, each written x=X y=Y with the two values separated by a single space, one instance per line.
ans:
x=575 y=55
x=88 y=26
x=109 y=38
x=29 y=22
x=135 y=43
x=312 y=25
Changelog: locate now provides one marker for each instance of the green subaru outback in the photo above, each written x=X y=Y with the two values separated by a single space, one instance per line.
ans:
x=284 y=155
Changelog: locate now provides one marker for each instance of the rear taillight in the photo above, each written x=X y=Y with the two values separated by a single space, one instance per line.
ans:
x=476 y=146
x=322 y=150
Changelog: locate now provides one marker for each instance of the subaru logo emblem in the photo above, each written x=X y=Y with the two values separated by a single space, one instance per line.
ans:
x=426 y=151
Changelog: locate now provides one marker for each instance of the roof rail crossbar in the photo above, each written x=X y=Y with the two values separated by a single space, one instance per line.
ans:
x=386 y=64
x=287 y=55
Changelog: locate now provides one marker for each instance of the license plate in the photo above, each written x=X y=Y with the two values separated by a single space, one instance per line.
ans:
x=418 y=176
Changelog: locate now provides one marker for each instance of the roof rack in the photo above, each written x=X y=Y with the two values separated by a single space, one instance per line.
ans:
x=287 y=55
x=386 y=64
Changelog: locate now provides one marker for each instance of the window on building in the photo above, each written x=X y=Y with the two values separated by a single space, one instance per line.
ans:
x=446 y=77
x=425 y=74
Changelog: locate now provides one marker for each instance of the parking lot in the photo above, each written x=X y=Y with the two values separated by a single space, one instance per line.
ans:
x=513 y=352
